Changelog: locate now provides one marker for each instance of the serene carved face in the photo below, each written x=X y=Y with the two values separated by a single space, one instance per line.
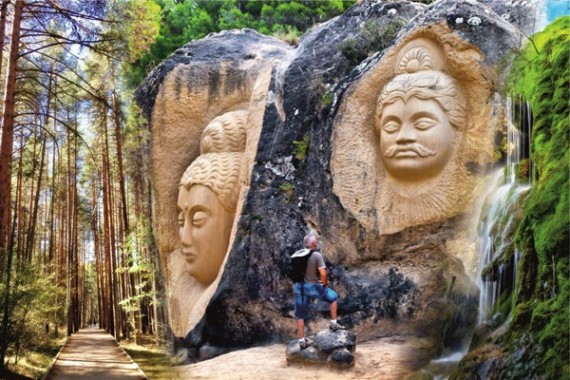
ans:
x=205 y=227
x=416 y=139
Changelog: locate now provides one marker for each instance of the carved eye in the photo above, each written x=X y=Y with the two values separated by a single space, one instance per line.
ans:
x=181 y=219
x=199 y=218
x=391 y=126
x=425 y=123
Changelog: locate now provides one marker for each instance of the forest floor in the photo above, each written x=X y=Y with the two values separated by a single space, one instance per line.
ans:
x=381 y=359
x=153 y=360
x=32 y=363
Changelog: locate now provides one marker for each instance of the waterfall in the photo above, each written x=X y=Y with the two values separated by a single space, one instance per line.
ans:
x=497 y=269
x=499 y=221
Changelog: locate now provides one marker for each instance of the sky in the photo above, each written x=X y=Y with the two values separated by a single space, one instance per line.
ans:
x=556 y=8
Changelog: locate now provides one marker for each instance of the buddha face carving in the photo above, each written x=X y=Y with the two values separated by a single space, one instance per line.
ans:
x=207 y=202
x=205 y=227
x=417 y=119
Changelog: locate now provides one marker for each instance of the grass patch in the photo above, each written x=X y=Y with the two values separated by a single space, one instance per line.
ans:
x=154 y=362
x=31 y=363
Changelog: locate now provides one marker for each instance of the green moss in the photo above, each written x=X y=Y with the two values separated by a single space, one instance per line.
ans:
x=504 y=305
x=541 y=317
x=522 y=169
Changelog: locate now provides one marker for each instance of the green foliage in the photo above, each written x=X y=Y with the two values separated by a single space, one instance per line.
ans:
x=186 y=20
x=288 y=189
x=301 y=148
x=374 y=36
x=33 y=301
x=140 y=26
x=286 y=33
x=541 y=74
x=320 y=94
x=139 y=266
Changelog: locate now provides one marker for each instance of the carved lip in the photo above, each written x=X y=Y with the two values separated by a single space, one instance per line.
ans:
x=189 y=256
x=406 y=153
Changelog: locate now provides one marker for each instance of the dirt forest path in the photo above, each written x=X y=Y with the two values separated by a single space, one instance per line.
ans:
x=93 y=354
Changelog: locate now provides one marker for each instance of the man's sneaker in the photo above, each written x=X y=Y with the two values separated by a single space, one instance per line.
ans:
x=307 y=343
x=335 y=326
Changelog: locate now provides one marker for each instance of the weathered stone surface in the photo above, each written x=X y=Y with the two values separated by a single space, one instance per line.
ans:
x=223 y=72
x=341 y=357
x=311 y=355
x=221 y=76
x=328 y=341
x=336 y=348
x=414 y=282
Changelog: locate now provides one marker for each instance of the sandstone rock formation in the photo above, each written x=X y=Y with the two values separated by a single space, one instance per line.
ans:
x=312 y=163
x=208 y=102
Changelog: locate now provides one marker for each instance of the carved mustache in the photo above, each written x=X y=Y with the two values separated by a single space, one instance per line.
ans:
x=420 y=150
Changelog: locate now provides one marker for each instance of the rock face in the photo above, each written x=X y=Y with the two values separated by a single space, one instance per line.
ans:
x=207 y=103
x=336 y=348
x=313 y=162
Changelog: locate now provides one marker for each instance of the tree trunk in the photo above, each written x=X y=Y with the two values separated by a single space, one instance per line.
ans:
x=3 y=13
x=7 y=138
x=107 y=231
x=34 y=209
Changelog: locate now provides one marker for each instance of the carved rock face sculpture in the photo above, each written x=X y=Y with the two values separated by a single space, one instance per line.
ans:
x=404 y=135
x=226 y=133
x=420 y=114
x=207 y=201
x=414 y=125
x=205 y=227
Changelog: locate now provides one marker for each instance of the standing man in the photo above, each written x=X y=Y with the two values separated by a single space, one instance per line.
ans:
x=313 y=285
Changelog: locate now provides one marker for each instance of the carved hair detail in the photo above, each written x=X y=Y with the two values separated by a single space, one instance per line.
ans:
x=218 y=171
x=426 y=85
x=416 y=59
x=417 y=76
x=226 y=133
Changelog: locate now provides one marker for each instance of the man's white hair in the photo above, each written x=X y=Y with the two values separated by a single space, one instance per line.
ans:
x=309 y=238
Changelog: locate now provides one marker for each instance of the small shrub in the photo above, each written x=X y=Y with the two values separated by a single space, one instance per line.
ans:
x=287 y=189
x=301 y=148
x=373 y=37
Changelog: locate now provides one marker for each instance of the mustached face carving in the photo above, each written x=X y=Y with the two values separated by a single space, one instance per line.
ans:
x=416 y=139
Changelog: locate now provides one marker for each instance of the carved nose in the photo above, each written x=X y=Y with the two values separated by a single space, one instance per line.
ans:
x=186 y=235
x=406 y=134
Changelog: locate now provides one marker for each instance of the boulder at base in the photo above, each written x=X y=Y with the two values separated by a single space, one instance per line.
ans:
x=334 y=347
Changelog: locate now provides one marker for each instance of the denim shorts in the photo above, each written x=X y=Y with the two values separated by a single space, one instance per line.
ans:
x=310 y=290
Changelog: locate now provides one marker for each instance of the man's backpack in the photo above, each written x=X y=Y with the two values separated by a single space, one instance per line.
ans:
x=299 y=262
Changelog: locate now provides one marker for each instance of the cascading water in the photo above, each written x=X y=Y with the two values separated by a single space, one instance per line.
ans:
x=498 y=260
x=497 y=257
